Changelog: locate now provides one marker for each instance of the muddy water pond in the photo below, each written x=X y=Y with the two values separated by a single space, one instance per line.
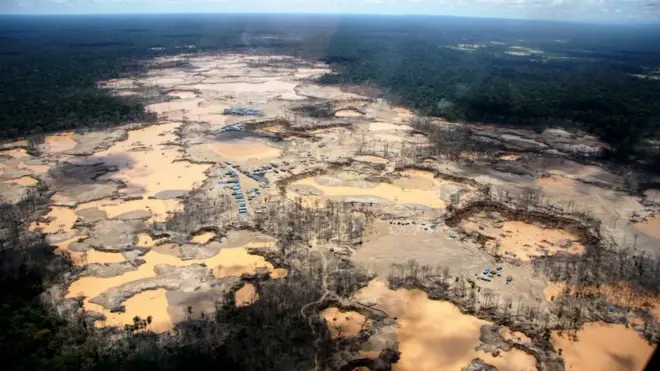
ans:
x=61 y=142
x=556 y=182
x=63 y=221
x=146 y=163
x=604 y=347
x=392 y=193
x=522 y=240
x=343 y=324
x=650 y=227
x=347 y=113
x=228 y=262
x=241 y=150
x=246 y=295
x=203 y=238
x=435 y=335
x=26 y=181
x=160 y=209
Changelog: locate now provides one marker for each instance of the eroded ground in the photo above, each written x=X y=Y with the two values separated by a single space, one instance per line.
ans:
x=119 y=199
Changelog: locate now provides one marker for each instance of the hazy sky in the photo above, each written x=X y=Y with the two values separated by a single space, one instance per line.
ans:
x=575 y=10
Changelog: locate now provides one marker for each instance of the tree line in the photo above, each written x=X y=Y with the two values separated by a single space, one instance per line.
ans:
x=600 y=93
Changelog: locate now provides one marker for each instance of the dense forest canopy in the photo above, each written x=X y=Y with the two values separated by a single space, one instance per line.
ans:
x=49 y=66
x=602 y=79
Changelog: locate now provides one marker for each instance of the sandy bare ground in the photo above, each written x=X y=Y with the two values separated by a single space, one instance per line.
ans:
x=180 y=152
x=228 y=262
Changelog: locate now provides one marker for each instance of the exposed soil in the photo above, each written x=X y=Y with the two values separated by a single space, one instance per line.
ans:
x=521 y=240
x=113 y=190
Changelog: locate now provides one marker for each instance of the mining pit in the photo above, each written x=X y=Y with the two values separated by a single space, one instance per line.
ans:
x=177 y=213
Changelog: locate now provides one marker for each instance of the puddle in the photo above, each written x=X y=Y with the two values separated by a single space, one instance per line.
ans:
x=347 y=113
x=236 y=150
x=203 y=238
x=149 y=303
x=556 y=182
x=430 y=198
x=228 y=262
x=372 y=159
x=246 y=295
x=64 y=219
x=36 y=169
x=388 y=138
x=77 y=258
x=553 y=290
x=26 y=181
x=147 y=164
x=650 y=227
x=100 y=257
x=522 y=240
x=145 y=240
x=652 y=194
x=272 y=86
x=418 y=179
x=57 y=197
x=159 y=209
x=60 y=142
x=515 y=336
x=343 y=324
x=509 y=157
x=183 y=94
x=435 y=335
x=15 y=153
x=384 y=126
x=604 y=347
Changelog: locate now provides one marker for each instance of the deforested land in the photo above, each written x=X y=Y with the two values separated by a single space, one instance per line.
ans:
x=328 y=193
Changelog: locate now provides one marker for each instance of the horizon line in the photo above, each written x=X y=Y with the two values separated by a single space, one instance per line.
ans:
x=593 y=22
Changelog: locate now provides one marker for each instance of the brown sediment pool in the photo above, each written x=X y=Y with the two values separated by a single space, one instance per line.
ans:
x=435 y=335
